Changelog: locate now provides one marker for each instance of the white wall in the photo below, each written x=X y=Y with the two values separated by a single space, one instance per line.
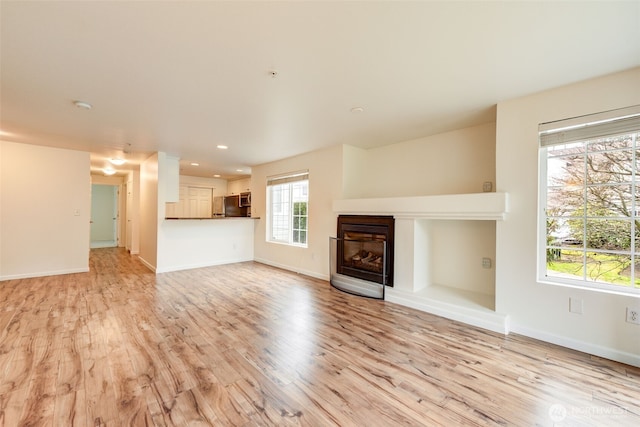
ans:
x=45 y=200
x=325 y=185
x=354 y=167
x=537 y=309
x=455 y=162
x=148 y=211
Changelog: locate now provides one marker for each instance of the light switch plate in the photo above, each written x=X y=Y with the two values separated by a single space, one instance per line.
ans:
x=486 y=262
x=575 y=305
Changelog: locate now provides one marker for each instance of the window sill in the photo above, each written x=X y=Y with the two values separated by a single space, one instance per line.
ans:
x=633 y=292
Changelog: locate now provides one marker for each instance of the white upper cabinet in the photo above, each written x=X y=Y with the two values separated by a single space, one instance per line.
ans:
x=239 y=186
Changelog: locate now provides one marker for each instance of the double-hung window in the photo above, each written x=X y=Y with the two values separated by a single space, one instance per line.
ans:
x=589 y=202
x=287 y=208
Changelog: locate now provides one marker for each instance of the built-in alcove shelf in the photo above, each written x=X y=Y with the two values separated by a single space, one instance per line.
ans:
x=411 y=278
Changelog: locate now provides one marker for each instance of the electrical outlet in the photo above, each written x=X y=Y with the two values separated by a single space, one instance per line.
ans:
x=633 y=315
x=487 y=186
x=486 y=262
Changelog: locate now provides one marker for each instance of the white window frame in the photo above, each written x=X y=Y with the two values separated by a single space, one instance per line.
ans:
x=579 y=130
x=287 y=182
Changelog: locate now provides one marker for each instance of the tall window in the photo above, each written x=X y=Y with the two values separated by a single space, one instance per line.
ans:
x=287 y=208
x=590 y=201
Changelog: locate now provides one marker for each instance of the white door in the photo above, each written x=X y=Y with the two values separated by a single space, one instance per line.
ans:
x=104 y=215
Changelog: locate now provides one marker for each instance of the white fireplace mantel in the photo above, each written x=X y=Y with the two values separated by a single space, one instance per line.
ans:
x=474 y=206
x=412 y=286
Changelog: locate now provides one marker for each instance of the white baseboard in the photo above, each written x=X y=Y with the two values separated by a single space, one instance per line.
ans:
x=147 y=264
x=98 y=244
x=293 y=269
x=484 y=319
x=200 y=265
x=585 y=347
x=43 y=274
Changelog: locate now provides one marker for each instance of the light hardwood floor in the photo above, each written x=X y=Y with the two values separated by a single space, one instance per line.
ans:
x=251 y=345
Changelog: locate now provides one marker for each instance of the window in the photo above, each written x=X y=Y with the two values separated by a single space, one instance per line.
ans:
x=287 y=209
x=590 y=201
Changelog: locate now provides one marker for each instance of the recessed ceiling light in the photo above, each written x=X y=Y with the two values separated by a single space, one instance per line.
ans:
x=222 y=147
x=216 y=176
x=356 y=110
x=195 y=164
x=118 y=161
x=109 y=171
x=82 y=104
x=238 y=170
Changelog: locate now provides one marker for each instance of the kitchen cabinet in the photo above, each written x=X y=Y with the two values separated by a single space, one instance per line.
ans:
x=200 y=202
x=239 y=186
x=194 y=202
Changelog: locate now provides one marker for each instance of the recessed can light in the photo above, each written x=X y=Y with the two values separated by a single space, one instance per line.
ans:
x=216 y=176
x=109 y=171
x=238 y=170
x=222 y=147
x=195 y=164
x=356 y=110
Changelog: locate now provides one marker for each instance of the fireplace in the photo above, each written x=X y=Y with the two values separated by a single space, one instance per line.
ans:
x=363 y=254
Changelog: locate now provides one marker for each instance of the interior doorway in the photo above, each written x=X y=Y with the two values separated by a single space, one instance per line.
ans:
x=104 y=216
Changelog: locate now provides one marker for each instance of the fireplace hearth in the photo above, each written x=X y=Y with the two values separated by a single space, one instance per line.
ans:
x=363 y=254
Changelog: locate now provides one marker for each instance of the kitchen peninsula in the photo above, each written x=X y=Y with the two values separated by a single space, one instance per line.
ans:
x=192 y=235
x=202 y=242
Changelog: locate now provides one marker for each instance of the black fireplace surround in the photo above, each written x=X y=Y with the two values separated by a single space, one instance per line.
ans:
x=360 y=252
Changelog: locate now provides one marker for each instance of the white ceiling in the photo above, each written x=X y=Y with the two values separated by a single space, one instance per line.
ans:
x=182 y=77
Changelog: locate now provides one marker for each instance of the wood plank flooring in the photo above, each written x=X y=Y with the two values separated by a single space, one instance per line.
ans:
x=251 y=345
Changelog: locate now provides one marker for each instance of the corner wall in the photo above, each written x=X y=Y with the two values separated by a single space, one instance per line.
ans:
x=409 y=168
x=45 y=203
x=540 y=310
x=456 y=162
x=325 y=185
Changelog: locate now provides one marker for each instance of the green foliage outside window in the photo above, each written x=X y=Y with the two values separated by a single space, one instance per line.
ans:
x=300 y=222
